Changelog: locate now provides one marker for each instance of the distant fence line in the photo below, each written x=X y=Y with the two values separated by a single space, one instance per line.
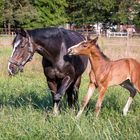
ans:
x=117 y=34
x=6 y=40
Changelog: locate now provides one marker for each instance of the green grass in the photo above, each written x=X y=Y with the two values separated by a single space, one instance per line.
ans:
x=26 y=110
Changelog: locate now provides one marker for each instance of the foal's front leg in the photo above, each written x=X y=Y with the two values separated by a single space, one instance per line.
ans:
x=90 y=91
x=102 y=90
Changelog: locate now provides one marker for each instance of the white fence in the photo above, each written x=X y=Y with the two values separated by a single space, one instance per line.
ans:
x=122 y=34
x=117 y=34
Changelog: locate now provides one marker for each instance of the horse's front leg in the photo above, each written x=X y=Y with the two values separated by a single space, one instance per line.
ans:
x=60 y=92
x=91 y=88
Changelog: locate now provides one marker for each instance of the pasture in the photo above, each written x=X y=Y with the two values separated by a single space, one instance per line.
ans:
x=25 y=103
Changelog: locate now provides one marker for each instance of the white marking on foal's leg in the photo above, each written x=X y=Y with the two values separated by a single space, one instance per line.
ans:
x=86 y=99
x=126 y=108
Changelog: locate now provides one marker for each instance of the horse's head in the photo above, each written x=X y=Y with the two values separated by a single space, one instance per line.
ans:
x=22 y=52
x=83 y=48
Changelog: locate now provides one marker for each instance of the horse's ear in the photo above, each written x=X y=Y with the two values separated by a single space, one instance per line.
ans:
x=16 y=31
x=23 y=33
x=93 y=41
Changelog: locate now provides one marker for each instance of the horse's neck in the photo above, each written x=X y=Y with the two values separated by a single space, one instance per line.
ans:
x=54 y=55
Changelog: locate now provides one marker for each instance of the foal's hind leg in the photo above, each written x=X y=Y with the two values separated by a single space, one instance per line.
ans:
x=132 y=91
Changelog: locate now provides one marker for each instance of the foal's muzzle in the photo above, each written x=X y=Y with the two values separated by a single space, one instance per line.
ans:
x=70 y=52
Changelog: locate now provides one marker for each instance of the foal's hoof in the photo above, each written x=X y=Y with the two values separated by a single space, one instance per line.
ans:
x=56 y=113
x=79 y=115
x=124 y=113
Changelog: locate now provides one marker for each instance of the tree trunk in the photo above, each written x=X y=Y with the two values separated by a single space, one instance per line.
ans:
x=9 y=28
x=5 y=28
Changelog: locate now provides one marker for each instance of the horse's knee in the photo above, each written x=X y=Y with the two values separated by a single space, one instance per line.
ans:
x=57 y=97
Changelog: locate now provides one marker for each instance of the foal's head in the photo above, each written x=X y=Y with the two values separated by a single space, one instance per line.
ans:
x=84 y=47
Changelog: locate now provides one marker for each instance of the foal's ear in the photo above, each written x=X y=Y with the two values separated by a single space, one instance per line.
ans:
x=88 y=38
x=93 y=41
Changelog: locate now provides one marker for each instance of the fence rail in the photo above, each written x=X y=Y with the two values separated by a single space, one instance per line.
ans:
x=117 y=34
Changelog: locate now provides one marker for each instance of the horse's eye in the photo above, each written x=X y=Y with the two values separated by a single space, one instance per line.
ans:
x=22 y=46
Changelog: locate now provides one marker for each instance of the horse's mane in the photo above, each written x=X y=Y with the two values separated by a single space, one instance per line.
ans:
x=48 y=32
x=102 y=54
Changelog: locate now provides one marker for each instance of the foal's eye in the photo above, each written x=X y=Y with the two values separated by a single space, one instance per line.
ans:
x=84 y=46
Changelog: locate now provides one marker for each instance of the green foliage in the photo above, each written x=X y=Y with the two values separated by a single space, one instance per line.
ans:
x=24 y=13
x=42 y=13
x=17 y=12
x=33 y=13
x=105 y=11
x=1 y=10
x=136 y=14
x=124 y=13
x=50 y=12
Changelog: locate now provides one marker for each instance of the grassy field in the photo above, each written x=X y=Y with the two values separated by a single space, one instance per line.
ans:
x=25 y=106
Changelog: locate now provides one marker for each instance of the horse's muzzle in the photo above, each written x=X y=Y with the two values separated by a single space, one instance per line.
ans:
x=14 y=69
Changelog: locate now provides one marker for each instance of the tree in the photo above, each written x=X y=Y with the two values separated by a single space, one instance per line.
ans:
x=32 y=13
x=125 y=11
x=50 y=12
x=105 y=11
x=24 y=13
x=16 y=13
x=136 y=14
x=90 y=11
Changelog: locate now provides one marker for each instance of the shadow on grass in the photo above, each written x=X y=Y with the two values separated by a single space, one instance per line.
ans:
x=110 y=102
x=26 y=99
x=43 y=102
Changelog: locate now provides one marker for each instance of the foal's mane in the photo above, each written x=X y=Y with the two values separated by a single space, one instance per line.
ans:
x=102 y=54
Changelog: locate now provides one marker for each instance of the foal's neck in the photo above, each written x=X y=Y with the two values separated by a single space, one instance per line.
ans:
x=97 y=59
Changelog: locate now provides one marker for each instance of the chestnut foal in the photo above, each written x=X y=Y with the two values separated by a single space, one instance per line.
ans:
x=105 y=73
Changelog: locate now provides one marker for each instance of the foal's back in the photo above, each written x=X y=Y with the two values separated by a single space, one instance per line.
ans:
x=124 y=69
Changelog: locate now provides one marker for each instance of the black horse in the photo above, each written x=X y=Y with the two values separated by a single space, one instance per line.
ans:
x=63 y=72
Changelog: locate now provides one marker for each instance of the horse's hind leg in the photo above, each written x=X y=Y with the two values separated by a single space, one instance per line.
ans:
x=132 y=91
x=53 y=88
